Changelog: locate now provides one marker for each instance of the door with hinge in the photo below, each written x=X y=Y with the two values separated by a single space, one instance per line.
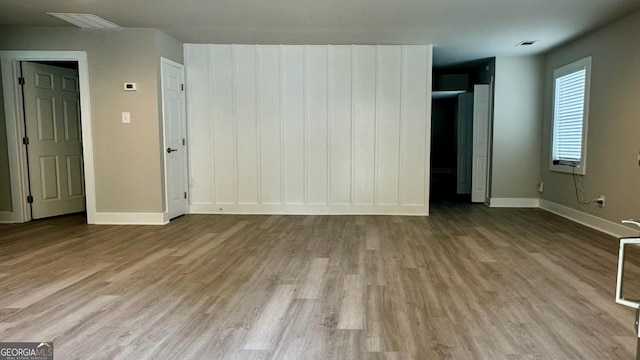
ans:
x=53 y=139
x=480 y=142
x=174 y=123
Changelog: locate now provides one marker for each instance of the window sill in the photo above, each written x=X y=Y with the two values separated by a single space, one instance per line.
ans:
x=578 y=170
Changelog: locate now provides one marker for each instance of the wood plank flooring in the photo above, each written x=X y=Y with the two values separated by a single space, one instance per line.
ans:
x=467 y=282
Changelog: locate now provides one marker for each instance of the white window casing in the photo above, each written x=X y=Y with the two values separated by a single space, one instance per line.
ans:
x=571 y=85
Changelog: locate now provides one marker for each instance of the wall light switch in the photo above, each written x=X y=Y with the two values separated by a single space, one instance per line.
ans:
x=126 y=117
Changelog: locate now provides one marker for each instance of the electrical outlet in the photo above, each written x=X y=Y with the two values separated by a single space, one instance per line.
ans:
x=600 y=201
x=541 y=186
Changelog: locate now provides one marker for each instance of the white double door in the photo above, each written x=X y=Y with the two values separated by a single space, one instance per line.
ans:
x=51 y=96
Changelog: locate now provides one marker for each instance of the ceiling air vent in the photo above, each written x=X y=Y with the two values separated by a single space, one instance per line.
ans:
x=527 y=43
x=86 y=21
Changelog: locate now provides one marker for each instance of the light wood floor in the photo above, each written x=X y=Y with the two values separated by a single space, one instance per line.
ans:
x=468 y=282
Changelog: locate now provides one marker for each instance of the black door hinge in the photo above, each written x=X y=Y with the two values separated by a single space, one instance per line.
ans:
x=184 y=141
x=182 y=87
x=21 y=80
x=25 y=140
x=30 y=199
x=185 y=194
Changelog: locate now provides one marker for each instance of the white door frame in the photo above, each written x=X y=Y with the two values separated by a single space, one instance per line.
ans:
x=9 y=61
x=490 y=144
x=163 y=61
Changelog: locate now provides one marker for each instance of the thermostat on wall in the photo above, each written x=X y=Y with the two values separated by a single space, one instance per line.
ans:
x=130 y=86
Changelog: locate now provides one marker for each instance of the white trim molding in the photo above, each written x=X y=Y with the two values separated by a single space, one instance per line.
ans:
x=594 y=222
x=108 y=218
x=300 y=209
x=9 y=61
x=514 y=202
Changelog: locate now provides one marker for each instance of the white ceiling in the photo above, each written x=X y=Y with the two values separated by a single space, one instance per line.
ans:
x=462 y=30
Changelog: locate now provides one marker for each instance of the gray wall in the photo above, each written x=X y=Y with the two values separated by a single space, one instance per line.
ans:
x=614 y=124
x=128 y=161
x=515 y=165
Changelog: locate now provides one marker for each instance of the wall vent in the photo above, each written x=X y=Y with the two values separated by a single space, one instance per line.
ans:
x=85 y=21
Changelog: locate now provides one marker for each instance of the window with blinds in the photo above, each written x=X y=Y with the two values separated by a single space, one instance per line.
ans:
x=570 y=110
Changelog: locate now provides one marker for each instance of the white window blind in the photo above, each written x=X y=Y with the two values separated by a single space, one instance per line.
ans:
x=570 y=112
x=569 y=115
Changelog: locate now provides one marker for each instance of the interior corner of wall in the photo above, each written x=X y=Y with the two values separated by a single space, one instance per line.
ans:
x=6 y=217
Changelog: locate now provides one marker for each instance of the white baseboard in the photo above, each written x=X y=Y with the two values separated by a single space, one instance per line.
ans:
x=6 y=217
x=277 y=209
x=104 y=218
x=514 y=202
x=594 y=222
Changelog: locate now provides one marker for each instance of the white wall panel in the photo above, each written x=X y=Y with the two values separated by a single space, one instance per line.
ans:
x=294 y=123
x=413 y=127
x=309 y=129
x=317 y=140
x=224 y=124
x=388 y=93
x=340 y=124
x=247 y=125
x=200 y=124
x=270 y=124
x=364 y=97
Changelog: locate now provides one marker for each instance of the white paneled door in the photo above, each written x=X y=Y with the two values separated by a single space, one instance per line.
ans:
x=480 y=142
x=52 y=117
x=175 y=153
x=309 y=129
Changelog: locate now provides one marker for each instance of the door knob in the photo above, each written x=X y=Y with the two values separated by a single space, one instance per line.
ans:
x=170 y=150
